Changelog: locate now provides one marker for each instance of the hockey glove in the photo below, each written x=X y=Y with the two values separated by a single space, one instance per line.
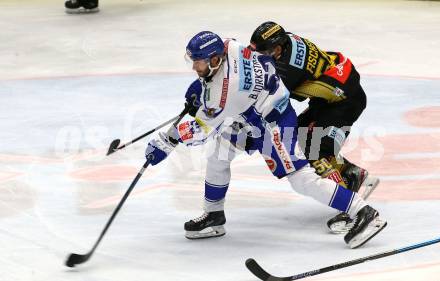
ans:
x=158 y=149
x=192 y=97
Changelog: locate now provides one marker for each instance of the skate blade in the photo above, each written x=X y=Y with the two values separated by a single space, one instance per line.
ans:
x=369 y=232
x=212 y=231
x=340 y=227
x=369 y=185
x=82 y=11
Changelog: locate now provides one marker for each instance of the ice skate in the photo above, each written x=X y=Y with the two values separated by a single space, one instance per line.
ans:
x=367 y=225
x=206 y=226
x=360 y=181
x=81 y=6
x=340 y=224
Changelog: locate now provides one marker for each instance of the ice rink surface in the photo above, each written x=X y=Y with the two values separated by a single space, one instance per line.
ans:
x=70 y=84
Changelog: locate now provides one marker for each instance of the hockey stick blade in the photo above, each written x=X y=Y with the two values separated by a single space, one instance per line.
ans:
x=75 y=259
x=258 y=271
x=113 y=146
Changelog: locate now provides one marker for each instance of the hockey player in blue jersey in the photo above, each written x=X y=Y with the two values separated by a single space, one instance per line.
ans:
x=240 y=94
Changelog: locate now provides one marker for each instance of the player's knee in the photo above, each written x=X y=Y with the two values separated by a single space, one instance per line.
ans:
x=303 y=179
x=325 y=169
x=218 y=172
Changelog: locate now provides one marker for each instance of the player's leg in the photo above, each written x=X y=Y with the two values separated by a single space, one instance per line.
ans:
x=340 y=105
x=358 y=179
x=285 y=158
x=321 y=140
x=218 y=174
x=324 y=130
x=343 y=115
x=211 y=222
x=367 y=224
x=319 y=150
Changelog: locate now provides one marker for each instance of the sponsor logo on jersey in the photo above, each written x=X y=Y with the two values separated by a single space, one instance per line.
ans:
x=246 y=53
x=271 y=31
x=312 y=60
x=224 y=92
x=341 y=71
x=281 y=150
x=271 y=164
x=185 y=132
x=299 y=51
x=245 y=70
x=338 y=92
x=259 y=77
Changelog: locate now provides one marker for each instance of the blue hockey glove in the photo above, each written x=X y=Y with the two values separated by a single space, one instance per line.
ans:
x=158 y=149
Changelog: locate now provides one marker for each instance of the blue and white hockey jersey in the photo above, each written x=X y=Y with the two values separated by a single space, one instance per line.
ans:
x=246 y=89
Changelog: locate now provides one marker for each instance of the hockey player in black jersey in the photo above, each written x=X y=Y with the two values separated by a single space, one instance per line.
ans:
x=337 y=99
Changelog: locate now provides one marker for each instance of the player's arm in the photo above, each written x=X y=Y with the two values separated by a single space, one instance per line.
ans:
x=193 y=97
x=205 y=124
x=192 y=132
x=189 y=132
x=277 y=98
x=319 y=89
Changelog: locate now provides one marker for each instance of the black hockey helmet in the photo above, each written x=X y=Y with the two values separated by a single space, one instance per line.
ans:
x=267 y=36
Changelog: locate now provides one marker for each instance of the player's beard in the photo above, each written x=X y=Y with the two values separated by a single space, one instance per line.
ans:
x=204 y=73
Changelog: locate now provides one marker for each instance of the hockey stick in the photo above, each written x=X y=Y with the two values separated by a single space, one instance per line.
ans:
x=75 y=259
x=114 y=145
x=258 y=271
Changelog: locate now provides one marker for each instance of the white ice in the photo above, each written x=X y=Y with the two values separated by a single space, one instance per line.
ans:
x=70 y=84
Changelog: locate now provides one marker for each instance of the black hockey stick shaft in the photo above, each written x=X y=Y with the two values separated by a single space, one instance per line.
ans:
x=114 y=145
x=258 y=271
x=75 y=259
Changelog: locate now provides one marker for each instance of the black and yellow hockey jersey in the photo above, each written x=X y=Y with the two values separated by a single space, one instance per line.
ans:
x=309 y=72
